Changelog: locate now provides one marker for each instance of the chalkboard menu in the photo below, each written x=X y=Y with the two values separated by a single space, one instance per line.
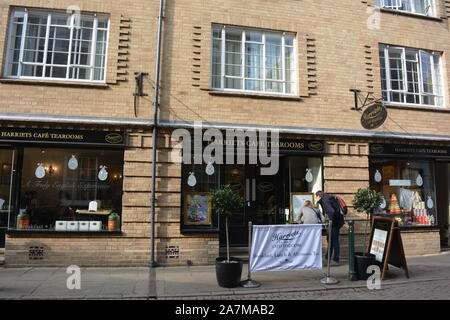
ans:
x=386 y=244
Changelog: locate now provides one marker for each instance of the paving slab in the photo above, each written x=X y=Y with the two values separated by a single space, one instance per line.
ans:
x=198 y=282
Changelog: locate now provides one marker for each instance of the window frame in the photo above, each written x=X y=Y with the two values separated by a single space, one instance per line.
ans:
x=7 y=66
x=19 y=150
x=294 y=82
x=432 y=11
x=438 y=80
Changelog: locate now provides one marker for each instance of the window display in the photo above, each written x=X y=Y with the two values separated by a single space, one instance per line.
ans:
x=408 y=189
x=197 y=181
x=69 y=190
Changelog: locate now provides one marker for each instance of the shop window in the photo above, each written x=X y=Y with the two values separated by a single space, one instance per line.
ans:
x=423 y=7
x=411 y=76
x=253 y=60
x=196 y=212
x=69 y=190
x=55 y=45
x=408 y=188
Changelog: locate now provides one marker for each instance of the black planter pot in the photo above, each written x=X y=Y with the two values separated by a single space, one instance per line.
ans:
x=229 y=273
x=362 y=262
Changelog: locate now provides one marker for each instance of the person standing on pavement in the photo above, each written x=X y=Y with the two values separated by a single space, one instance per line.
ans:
x=310 y=215
x=331 y=208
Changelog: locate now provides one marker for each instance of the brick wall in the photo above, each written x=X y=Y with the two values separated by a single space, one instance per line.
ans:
x=336 y=51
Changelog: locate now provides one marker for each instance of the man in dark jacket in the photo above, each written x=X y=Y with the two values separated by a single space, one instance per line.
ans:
x=331 y=208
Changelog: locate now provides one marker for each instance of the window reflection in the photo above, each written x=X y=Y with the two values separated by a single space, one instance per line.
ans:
x=52 y=190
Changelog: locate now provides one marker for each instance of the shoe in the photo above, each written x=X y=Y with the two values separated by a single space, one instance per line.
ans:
x=335 y=263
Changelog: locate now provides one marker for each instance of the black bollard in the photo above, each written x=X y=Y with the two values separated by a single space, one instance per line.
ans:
x=351 y=251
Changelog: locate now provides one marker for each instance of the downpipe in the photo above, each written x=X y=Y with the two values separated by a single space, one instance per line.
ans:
x=155 y=133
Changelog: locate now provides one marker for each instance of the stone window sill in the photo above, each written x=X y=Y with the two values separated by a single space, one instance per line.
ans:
x=33 y=82
x=417 y=108
x=253 y=95
x=15 y=232
x=410 y=14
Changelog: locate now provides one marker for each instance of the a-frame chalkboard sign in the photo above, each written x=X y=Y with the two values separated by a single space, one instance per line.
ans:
x=386 y=244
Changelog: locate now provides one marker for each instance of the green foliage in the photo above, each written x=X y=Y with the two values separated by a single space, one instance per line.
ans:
x=366 y=200
x=225 y=201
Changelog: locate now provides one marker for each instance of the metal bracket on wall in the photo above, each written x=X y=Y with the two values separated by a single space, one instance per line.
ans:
x=139 y=77
x=363 y=100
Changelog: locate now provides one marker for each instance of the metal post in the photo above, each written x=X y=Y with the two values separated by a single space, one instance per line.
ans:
x=328 y=279
x=351 y=251
x=249 y=283
x=155 y=133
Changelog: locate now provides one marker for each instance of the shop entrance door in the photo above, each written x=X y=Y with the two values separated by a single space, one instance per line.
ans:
x=262 y=206
x=6 y=190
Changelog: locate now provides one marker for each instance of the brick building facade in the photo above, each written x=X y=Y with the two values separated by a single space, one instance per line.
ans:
x=334 y=48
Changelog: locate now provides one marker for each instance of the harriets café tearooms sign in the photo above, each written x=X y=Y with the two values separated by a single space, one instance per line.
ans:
x=66 y=136
x=374 y=116
x=283 y=145
x=409 y=150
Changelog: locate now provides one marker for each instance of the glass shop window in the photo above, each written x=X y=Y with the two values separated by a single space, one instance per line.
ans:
x=198 y=180
x=302 y=177
x=408 y=189
x=70 y=190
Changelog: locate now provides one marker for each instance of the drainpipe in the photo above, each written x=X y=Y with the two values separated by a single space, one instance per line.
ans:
x=155 y=132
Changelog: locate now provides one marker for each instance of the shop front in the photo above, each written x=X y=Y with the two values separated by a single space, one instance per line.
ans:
x=414 y=182
x=268 y=199
x=60 y=181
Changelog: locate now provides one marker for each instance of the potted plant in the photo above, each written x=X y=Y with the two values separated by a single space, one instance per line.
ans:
x=228 y=270
x=365 y=200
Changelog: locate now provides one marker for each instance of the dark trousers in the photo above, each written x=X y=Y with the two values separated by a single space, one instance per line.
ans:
x=335 y=246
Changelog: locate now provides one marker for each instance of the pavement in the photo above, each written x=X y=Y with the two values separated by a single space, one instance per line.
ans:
x=199 y=282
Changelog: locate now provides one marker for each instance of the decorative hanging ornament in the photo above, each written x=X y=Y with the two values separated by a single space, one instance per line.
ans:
x=378 y=176
x=383 y=203
x=309 y=176
x=210 y=169
x=102 y=174
x=192 y=181
x=419 y=180
x=430 y=203
x=40 y=171
x=73 y=163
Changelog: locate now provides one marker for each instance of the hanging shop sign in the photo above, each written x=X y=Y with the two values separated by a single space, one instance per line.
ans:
x=284 y=145
x=35 y=135
x=385 y=149
x=374 y=116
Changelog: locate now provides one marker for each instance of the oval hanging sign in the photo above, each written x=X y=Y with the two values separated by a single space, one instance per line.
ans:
x=374 y=116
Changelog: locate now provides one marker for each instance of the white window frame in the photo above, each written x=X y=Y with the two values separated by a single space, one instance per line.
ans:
x=438 y=82
x=243 y=31
x=10 y=42
x=397 y=4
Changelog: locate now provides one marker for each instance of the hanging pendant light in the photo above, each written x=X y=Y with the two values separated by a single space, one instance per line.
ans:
x=378 y=176
x=430 y=203
x=309 y=176
x=210 y=169
x=103 y=174
x=419 y=180
x=73 y=163
x=192 y=181
x=40 y=171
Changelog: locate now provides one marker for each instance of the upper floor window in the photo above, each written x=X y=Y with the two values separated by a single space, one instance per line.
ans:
x=425 y=7
x=253 y=60
x=55 y=45
x=411 y=76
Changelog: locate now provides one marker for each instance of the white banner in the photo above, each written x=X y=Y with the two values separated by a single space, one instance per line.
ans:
x=286 y=247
